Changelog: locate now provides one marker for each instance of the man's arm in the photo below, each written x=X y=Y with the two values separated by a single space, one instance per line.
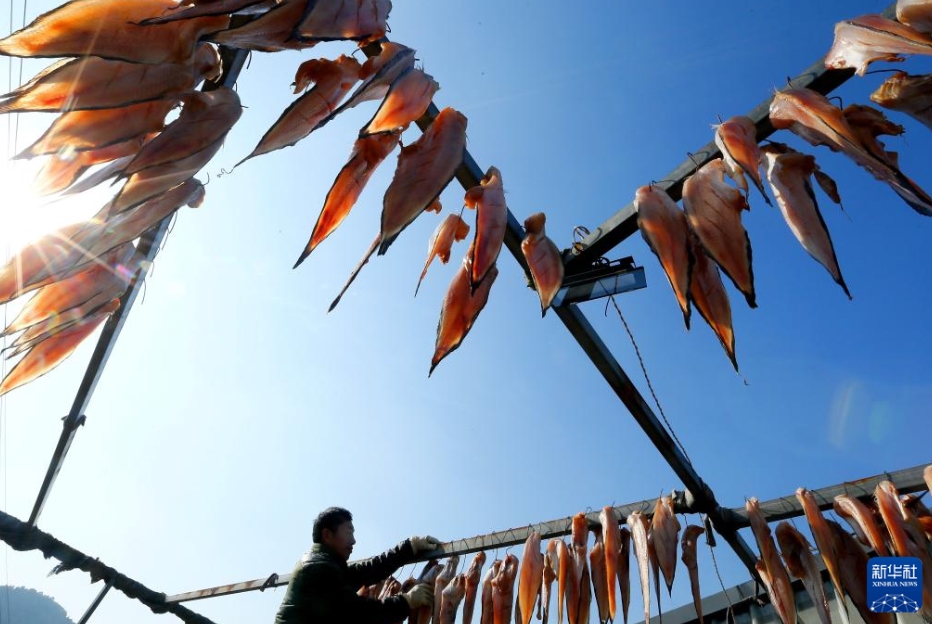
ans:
x=378 y=568
x=333 y=601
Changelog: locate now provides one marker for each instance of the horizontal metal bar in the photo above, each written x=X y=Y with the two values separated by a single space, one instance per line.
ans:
x=907 y=481
x=633 y=279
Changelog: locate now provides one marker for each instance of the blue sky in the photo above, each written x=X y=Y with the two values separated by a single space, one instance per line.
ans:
x=234 y=408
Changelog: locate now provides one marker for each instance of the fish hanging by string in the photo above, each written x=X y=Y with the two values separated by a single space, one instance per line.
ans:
x=801 y=563
x=488 y=200
x=624 y=571
x=543 y=259
x=549 y=575
x=708 y=294
x=907 y=94
x=99 y=128
x=472 y=586
x=665 y=529
x=217 y=7
x=823 y=539
x=368 y=154
x=868 y=38
x=598 y=575
x=530 y=577
x=378 y=73
x=334 y=20
x=486 y=615
x=61 y=170
x=424 y=169
x=91 y=82
x=654 y=567
x=788 y=173
x=205 y=119
x=49 y=353
x=688 y=545
x=737 y=140
x=862 y=521
x=565 y=583
x=270 y=32
x=428 y=576
x=639 y=527
x=578 y=613
x=811 y=116
x=407 y=100
x=450 y=230
x=916 y=14
x=853 y=563
x=441 y=582
x=663 y=227
x=713 y=213
x=611 y=535
x=869 y=123
x=774 y=575
x=503 y=590
x=461 y=308
x=110 y=29
x=828 y=186
x=332 y=81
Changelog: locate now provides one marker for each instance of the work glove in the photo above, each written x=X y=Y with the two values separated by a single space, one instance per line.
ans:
x=424 y=544
x=421 y=595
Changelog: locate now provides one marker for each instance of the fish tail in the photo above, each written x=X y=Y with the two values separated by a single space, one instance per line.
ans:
x=356 y=271
x=386 y=243
x=303 y=256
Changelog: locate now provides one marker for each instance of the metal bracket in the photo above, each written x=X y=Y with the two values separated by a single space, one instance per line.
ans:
x=602 y=279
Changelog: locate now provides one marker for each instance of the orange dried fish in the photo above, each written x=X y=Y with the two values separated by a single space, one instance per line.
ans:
x=580 y=534
x=801 y=563
x=624 y=571
x=565 y=583
x=689 y=542
x=110 y=29
x=543 y=259
x=49 y=353
x=440 y=583
x=205 y=119
x=486 y=616
x=424 y=169
x=639 y=527
x=599 y=580
x=214 y=7
x=356 y=20
x=99 y=128
x=429 y=576
x=663 y=227
x=811 y=116
x=270 y=32
x=788 y=172
x=472 y=586
x=530 y=576
x=461 y=307
x=61 y=170
x=775 y=576
x=823 y=539
x=708 y=293
x=612 y=543
x=862 y=520
x=868 y=38
x=737 y=140
x=503 y=590
x=332 y=81
x=853 y=570
x=407 y=100
x=665 y=529
x=450 y=599
x=367 y=155
x=916 y=14
x=551 y=561
x=92 y=82
x=488 y=199
x=908 y=94
x=713 y=212
x=451 y=229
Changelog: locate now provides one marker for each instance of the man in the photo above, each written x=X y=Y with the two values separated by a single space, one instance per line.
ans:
x=323 y=586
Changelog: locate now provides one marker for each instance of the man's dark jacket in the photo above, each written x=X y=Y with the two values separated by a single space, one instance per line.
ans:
x=323 y=589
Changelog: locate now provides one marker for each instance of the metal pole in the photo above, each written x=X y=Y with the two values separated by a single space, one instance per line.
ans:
x=907 y=481
x=149 y=243
x=100 y=597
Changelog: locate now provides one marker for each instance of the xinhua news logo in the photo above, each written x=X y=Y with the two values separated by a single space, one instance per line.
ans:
x=894 y=584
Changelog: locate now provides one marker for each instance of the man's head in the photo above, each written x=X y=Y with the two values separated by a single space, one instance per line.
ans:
x=334 y=528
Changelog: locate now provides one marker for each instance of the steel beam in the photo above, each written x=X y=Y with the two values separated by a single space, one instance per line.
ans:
x=623 y=223
x=148 y=246
x=100 y=598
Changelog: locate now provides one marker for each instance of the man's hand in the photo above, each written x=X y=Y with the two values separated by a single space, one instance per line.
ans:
x=421 y=595
x=424 y=544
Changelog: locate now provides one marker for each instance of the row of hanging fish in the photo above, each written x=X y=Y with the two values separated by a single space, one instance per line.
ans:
x=889 y=525
x=693 y=244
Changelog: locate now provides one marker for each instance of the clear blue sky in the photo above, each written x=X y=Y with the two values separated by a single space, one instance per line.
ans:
x=234 y=408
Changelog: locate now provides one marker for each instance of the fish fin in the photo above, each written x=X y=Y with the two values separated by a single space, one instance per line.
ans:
x=356 y=271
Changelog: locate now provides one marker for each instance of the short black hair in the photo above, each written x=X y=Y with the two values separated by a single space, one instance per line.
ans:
x=329 y=518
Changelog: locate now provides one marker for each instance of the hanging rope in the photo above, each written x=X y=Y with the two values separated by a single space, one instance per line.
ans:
x=21 y=537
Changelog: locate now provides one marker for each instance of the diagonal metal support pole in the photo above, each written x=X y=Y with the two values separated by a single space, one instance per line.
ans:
x=100 y=598
x=149 y=244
